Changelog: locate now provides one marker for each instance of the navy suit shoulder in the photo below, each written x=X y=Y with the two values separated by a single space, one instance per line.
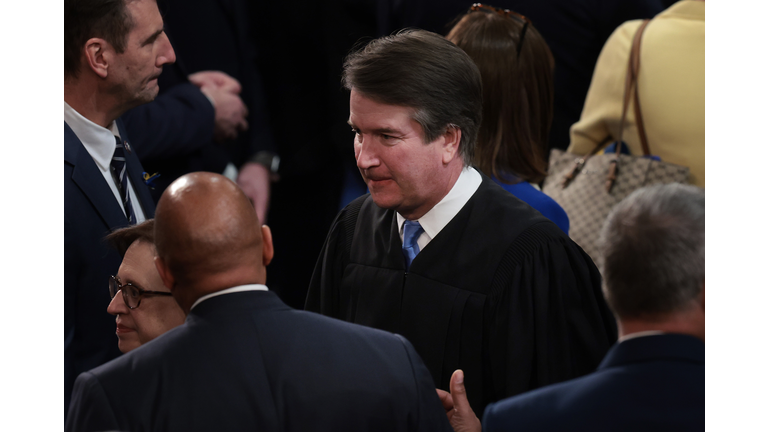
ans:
x=647 y=383
x=91 y=211
x=246 y=361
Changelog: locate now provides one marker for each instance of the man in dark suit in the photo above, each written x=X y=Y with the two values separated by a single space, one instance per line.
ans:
x=653 y=379
x=113 y=53
x=243 y=360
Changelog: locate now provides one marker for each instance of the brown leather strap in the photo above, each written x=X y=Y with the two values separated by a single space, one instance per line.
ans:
x=635 y=71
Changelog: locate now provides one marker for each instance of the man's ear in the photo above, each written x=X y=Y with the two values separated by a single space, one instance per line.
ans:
x=452 y=138
x=268 y=250
x=165 y=273
x=98 y=55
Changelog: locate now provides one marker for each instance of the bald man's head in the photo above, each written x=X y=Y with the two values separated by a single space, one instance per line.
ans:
x=208 y=236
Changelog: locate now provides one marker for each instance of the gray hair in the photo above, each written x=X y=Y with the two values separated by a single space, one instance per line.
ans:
x=423 y=71
x=652 y=248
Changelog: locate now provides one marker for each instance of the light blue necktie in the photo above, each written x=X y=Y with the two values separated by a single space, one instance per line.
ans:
x=411 y=232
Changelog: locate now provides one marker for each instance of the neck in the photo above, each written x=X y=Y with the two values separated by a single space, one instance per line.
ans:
x=691 y=324
x=452 y=173
x=188 y=293
x=88 y=100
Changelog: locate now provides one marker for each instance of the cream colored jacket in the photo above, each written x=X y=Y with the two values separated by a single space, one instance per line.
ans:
x=671 y=87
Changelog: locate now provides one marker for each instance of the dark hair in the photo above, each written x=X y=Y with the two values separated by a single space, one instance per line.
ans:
x=85 y=19
x=421 y=70
x=653 y=251
x=518 y=93
x=123 y=238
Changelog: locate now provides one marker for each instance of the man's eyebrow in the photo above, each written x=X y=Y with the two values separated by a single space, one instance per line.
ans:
x=152 y=38
x=379 y=131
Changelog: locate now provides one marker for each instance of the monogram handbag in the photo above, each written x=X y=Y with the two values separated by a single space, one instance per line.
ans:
x=587 y=187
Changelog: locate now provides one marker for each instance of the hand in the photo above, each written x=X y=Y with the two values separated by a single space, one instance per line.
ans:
x=254 y=180
x=456 y=405
x=215 y=79
x=230 y=113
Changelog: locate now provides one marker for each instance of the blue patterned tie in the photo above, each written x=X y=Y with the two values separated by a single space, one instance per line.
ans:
x=411 y=232
x=119 y=173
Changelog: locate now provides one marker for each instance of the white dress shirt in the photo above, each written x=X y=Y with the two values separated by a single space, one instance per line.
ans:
x=100 y=144
x=241 y=288
x=443 y=212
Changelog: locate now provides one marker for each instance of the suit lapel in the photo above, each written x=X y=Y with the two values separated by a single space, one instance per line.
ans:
x=87 y=177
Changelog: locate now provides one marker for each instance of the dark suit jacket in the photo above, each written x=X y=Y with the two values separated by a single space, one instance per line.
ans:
x=90 y=212
x=651 y=383
x=246 y=361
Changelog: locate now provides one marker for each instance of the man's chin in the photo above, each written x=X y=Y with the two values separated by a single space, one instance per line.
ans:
x=385 y=201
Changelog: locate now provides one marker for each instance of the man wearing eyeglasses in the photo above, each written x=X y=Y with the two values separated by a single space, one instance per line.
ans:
x=473 y=277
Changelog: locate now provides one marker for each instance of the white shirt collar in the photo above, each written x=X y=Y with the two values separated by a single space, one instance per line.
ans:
x=640 y=334
x=444 y=211
x=241 y=288
x=97 y=140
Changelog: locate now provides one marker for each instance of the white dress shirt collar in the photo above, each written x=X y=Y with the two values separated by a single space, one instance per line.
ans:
x=97 y=140
x=640 y=334
x=241 y=288
x=444 y=211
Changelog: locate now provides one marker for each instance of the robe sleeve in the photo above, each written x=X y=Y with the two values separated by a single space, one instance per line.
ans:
x=323 y=294
x=550 y=322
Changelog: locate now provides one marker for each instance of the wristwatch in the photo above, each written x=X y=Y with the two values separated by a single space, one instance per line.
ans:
x=268 y=159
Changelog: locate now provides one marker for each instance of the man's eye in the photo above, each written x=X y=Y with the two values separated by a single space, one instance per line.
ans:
x=387 y=137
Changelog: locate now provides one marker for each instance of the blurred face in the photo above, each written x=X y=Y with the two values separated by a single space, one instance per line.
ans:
x=134 y=73
x=401 y=171
x=155 y=314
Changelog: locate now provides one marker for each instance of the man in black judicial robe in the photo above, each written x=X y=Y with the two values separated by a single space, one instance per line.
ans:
x=494 y=288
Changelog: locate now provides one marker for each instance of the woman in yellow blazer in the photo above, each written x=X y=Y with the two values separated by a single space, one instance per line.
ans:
x=671 y=88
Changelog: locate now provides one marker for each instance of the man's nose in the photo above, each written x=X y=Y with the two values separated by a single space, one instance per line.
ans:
x=364 y=153
x=167 y=54
x=117 y=305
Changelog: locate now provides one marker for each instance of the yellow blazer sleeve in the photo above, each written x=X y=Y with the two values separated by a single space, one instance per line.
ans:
x=601 y=115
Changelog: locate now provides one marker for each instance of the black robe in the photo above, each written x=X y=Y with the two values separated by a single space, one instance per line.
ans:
x=501 y=293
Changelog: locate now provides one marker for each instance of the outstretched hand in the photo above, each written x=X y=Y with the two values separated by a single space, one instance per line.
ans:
x=460 y=414
x=215 y=79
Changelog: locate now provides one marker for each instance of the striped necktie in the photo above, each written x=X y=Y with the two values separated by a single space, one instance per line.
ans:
x=119 y=173
x=411 y=232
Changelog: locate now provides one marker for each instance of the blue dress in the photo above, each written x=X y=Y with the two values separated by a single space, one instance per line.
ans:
x=538 y=200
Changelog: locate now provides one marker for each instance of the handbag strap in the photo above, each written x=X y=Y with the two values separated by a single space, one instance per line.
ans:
x=633 y=73
x=633 y=70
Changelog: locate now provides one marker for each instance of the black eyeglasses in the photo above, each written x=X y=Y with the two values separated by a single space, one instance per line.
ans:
x=507 y=13
x=131 y=294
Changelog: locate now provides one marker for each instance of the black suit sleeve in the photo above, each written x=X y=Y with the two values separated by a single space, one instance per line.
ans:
x=430 y=415
x=176 y=123
x=90 y=409
x=550 y=320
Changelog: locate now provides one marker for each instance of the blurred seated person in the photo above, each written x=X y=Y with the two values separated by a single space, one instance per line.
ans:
x=653 y=378
x=670 y=87
x=516 y=67
x=144 y=308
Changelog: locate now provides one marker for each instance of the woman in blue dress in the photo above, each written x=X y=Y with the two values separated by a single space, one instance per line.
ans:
x=517 y=67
